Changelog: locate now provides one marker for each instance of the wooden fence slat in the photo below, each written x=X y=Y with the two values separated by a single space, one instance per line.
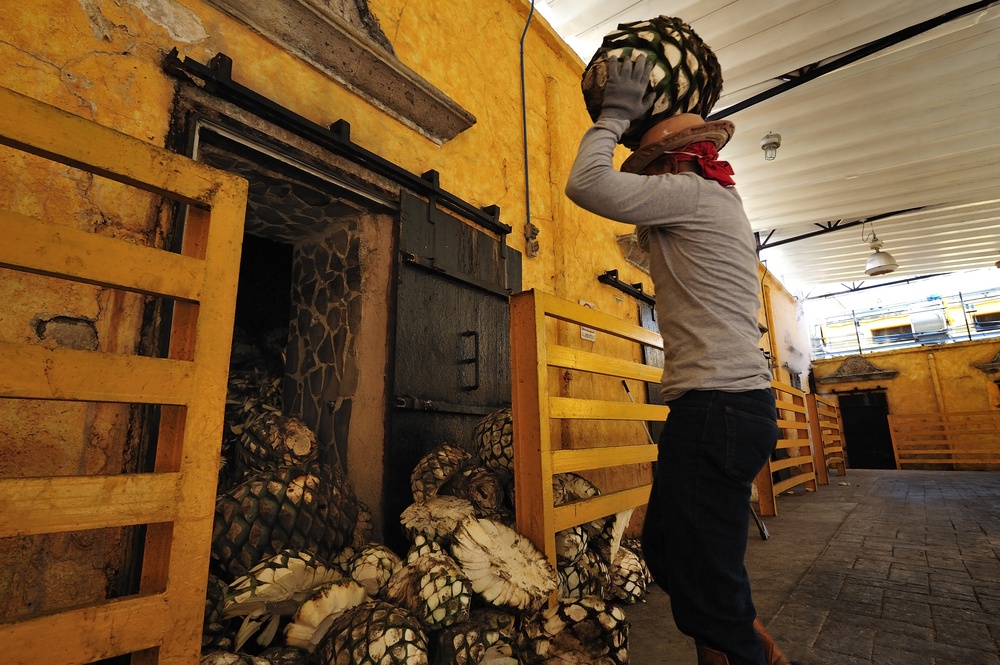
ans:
x=30 y=506
x=985 y=459
x=573 y=408
x=40 y=129
x=784 y=443
x=585 y=459
x=587 y=361
x=949 y=430
x=63 y=251
x=789 y=483
x=90 y=376
x=949 y=451
x=790 y=406
x=580 y=512
x=789 y=462
x=955 y=441
x=91 y=633
x=947 y=415
x=563 y=310
x=968 y=437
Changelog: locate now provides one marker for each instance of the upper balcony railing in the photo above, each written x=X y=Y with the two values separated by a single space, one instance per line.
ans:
x=938 y=320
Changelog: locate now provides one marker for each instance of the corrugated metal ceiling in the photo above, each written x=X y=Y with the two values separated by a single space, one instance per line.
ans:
x=913 y=127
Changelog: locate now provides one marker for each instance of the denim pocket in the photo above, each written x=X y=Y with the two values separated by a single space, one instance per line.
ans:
x=750 y=440
x=687 y=423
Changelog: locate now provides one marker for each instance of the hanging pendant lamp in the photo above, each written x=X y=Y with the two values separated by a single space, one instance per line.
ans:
x=879 y=263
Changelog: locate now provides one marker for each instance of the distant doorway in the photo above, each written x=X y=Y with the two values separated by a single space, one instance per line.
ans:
x=867 y=437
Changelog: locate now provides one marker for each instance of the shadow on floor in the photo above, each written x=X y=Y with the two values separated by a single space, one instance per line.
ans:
x=891 y=567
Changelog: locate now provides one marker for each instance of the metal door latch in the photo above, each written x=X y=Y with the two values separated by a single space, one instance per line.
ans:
x=468 y=356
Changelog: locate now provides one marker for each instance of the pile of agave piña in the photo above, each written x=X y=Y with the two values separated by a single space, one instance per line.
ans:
x=296 y=579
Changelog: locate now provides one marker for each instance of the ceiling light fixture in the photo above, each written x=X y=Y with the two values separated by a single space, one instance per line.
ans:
x=770 y=144
x=879 y=263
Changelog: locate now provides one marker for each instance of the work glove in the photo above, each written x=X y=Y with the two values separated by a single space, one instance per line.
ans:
x=625 y=93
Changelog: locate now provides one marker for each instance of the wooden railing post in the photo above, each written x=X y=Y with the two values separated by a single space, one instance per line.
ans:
x=802 y=433
x=530 y=409
x=765 y=492
x=819 y=446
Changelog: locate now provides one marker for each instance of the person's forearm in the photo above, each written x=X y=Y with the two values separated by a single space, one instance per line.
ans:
x=593 y=169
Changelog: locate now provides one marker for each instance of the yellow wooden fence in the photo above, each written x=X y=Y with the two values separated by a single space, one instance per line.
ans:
x=826 y=429
x=536 y=405
x=176 y=500
x=794 y=451
x=957 y=438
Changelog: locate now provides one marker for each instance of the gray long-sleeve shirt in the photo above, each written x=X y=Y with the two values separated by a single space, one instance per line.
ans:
x=703 y=262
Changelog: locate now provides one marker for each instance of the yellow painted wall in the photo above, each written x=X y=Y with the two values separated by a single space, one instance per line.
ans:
x=787 y=338
x=102 y=60
x=961 y=386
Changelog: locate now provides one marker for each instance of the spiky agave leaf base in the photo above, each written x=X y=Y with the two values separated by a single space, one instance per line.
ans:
x=435 y=469
x=686 y=76
x=432 y=588
x=306 y=507
x=586 y=631
x=493 y=442
x=318 y=612
x=436 y=519
x=372 y=567
x=375 y=633
x=504 y=567
x=273 y=589
x=628 y=577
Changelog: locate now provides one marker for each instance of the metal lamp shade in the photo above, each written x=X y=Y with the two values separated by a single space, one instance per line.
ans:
x=880 y=263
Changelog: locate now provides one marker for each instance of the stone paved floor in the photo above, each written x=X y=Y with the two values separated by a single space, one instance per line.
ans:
x=892 y=568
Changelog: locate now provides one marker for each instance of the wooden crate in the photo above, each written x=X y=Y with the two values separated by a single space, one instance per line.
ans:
x=162 y=622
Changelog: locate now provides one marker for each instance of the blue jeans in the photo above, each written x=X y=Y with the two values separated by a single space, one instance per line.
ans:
x=695 y=534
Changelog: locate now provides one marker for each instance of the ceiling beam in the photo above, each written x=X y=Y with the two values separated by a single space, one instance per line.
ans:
x=860 y=286
x=826 y=227
x=815 y=70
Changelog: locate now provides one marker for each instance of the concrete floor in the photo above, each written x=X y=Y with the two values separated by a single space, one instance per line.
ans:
x=892 y=568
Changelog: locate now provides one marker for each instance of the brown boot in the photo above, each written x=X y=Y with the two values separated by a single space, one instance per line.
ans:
x=707 y=656
x=772 y=653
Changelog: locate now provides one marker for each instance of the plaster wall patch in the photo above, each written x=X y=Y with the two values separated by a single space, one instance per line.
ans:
x=182 y=23
x=100 y=25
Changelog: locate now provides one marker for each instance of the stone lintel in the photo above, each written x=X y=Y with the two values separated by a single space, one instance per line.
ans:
x=314 y=33
x=857 y=368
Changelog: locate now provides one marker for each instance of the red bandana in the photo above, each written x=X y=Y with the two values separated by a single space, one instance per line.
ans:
x=707 y=157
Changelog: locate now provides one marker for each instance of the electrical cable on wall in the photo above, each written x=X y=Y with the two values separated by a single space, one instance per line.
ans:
x=530 y=230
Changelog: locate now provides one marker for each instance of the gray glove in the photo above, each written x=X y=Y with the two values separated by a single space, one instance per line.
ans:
x=625 y=93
